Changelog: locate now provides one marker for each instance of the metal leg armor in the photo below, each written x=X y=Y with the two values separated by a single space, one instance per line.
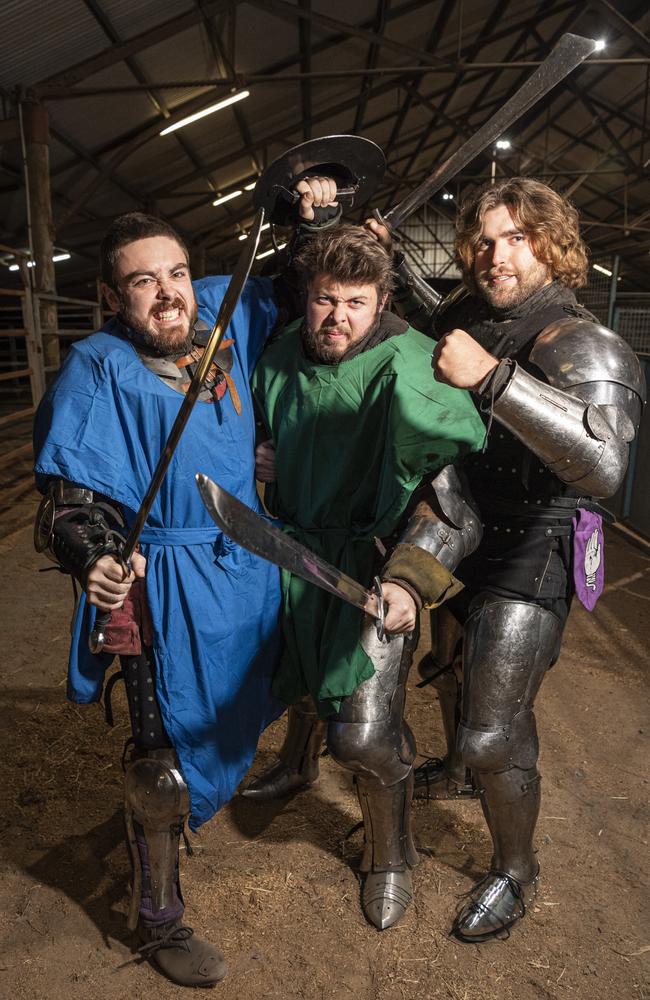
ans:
x=446 y=777
x=157 y=803
x=509 y=646
x=369 y=736
x=156 y=798
x=298 y=766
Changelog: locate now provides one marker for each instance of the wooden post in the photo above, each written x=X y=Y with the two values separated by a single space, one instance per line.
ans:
x=197 y=260
x=37 y=154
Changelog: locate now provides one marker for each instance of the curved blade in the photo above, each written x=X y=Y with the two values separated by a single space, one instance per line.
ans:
x=257 y=535
x=570 y=51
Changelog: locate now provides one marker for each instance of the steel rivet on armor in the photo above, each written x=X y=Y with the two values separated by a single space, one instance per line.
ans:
x=150 y=698
x=151 y=715
x=152 y=735
x=499 y=468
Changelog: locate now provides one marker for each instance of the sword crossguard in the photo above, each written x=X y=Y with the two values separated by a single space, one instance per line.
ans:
x=381 y=609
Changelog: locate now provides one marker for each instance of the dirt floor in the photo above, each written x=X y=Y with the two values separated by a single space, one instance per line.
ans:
x=275 y=886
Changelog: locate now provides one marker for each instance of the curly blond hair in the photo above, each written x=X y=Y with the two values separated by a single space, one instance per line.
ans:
x=549 y=221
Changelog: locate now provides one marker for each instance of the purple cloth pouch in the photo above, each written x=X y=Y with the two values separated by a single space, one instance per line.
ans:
x=588 y=557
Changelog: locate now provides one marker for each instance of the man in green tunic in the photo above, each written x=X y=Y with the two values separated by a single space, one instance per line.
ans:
x=365 y=442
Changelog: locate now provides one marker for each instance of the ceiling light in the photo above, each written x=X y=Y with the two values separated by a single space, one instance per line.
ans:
x=267 y=253
x=600 y=45
x=226 y=197
x=30 y=263
x=503 y=143
x=206 y=111
x=603 y=270
x=249 y=187
x=446 y=196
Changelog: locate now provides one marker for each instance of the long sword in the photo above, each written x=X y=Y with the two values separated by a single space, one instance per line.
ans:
x=226 y=310
x=569 y=53
x=264 y=539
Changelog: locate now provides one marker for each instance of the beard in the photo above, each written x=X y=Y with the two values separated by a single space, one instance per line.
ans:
x=173 y=340
x=322 y=353
x=528 y=282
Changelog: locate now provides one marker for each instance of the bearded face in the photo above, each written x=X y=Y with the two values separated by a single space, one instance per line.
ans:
x=338 y=316
x=506 y=270
x=154 y=294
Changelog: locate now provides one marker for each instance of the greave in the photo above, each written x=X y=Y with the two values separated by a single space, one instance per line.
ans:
x=156 y=807
x=387 y=824
x=511 y=801
x=443 y=665
x=303 y=743
x=448 y=690
x=389 y=852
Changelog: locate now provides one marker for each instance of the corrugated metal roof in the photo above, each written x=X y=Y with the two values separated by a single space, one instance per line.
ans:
x=41 y=39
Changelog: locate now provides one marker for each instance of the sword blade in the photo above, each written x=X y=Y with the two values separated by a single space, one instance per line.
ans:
x=235 y=287
x=263 y=539
x=570 y=52
x=227 y=308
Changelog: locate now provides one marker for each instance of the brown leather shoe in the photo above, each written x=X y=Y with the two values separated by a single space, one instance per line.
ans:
x=180 y=956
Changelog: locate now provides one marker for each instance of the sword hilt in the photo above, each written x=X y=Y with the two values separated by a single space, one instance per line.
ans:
x=378 y=217
x=381 y=609
x=97 y=638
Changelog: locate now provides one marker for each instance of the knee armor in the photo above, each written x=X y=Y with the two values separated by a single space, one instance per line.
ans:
x=368 y=735
x=509 y=646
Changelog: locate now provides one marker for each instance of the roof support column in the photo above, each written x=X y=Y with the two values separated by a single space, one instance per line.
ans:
x=39 y=209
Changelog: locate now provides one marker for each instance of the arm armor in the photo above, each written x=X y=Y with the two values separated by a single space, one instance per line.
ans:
x=75 y=527
x=442 y=530
x=581 y=423
x=414 y=299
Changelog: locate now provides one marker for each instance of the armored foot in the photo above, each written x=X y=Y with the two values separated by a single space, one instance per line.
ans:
x=277 y=782
x=434 y=781
x=385 y=897
x=494 y=905
x=181 y=957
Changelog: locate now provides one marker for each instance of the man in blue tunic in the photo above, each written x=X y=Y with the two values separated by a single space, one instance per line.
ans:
x=195 y=619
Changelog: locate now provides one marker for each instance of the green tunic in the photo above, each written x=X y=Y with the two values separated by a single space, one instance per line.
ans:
x=353 y=441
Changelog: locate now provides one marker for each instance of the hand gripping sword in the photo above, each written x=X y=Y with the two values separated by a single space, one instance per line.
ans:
x=264 y=539
x=227 y=308
x=569 y=53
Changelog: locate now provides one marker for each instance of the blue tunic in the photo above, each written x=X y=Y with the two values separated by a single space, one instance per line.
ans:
x=103 y=423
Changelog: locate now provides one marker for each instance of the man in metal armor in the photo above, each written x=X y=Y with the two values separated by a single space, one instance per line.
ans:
x=364 y=442
x=561 y=398
x=194 y=618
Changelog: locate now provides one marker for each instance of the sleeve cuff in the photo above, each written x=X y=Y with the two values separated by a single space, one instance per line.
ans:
x=417 y=570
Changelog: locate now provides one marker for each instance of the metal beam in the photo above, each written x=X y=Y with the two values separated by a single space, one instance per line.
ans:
x=289 y=12
x=145 y=40
x=304 y=46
